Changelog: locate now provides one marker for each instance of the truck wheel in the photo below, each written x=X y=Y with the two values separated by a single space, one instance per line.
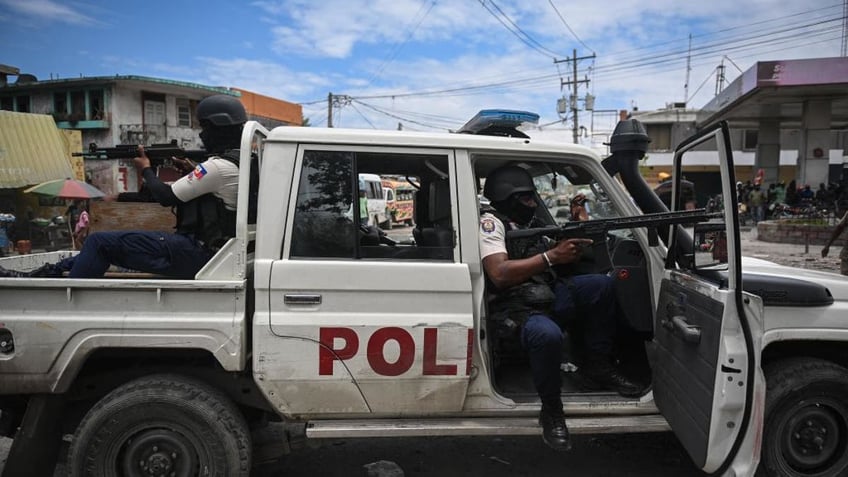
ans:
x=806 y=419
x=163 y=425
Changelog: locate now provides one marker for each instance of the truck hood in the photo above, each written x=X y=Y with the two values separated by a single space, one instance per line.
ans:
x=780 y=285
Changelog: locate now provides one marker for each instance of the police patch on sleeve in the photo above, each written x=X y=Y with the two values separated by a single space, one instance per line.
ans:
x=199 y=172
x=487 y=225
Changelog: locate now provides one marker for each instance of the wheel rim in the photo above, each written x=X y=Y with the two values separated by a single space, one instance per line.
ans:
x=814 y=437
x=158 y=453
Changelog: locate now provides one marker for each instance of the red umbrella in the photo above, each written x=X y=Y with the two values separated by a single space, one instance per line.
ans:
x=67 y=189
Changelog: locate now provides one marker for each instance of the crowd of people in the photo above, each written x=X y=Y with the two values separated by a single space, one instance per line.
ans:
x=781 y=200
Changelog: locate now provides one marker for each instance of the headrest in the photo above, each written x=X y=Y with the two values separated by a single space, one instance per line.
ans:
x=440 y=201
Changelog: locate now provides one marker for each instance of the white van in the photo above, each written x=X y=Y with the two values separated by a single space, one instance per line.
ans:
x=372 y=184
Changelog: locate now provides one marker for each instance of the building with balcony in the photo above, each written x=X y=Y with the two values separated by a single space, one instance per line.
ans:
x=112 y=110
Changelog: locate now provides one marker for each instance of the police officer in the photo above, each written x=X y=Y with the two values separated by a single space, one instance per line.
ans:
x=524 y=286
x=205 y=202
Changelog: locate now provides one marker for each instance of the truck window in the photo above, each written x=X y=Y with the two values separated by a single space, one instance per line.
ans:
x=324 y=222
x=335 y=215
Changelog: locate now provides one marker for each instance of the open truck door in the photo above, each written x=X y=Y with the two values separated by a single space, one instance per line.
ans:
x=704 y=355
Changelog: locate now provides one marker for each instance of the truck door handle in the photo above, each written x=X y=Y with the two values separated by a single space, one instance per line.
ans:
x=680 y=327
x=302 y=299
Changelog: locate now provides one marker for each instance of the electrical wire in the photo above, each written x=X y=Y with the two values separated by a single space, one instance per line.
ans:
x=517 y=31
x=569 y=27
x=710 y=75
x=363 y=116
x=398 y=46
x=632 y=67
x=745 y=27
x=395 y=116
x=604 y=70
x=711 y=48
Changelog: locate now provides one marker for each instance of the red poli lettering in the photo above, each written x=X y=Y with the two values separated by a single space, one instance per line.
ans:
x=431 y=344
x=377 y=344
x=328 y=353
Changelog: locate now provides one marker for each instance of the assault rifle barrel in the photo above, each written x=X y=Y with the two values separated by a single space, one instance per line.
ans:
x=158 y=153
x=596 y=227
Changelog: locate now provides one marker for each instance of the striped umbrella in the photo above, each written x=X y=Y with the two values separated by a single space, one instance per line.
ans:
x=67 y=189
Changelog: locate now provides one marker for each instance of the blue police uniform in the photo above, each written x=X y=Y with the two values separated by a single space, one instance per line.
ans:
x=177 y=255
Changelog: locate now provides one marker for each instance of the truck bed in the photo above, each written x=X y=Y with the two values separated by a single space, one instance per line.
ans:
x=52 y=324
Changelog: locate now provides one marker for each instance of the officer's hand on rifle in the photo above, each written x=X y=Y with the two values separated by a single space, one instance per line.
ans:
x=142 y=162
x=568 y=251
x=578 y=208
x=183 y=164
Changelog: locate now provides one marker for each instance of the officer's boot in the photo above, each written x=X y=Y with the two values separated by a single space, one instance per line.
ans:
x=554 y=431
x=6 y=273
x=602 y=371
x=48 y=270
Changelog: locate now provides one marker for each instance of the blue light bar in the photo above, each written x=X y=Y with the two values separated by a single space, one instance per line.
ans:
x=499 y=119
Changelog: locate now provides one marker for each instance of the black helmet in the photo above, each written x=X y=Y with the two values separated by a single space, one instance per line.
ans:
x=221 y=110
x=506 y=181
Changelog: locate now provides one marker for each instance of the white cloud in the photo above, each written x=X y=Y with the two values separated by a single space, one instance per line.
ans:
x=48 y=10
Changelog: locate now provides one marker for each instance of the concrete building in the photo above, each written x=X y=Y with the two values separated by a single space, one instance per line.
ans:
x=669 y=126
x=129 y=110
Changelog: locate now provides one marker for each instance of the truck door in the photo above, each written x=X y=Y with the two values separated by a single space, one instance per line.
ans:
x=366 y=322
x=705 y=351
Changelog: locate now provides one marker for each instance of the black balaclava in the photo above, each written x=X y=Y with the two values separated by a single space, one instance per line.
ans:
x=218 y=139
x=515 y=210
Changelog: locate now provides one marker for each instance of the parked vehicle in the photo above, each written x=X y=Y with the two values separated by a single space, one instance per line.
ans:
x=305 y=318
x=372 y=184
x=400 y=200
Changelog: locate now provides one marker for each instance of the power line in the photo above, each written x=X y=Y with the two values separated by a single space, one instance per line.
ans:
x=569 y=27
x=641 y=62
x=710 y=75
x=363 y=116
x=395 y=116
x=517 y=32
x=717 y=46
x=398 y=46
x=745 y=27
x=629 y=67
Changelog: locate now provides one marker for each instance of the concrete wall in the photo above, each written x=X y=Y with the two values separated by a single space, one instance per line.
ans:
x=783 y=231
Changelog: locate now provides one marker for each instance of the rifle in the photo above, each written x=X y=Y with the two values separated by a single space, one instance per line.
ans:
x=159 y=154
x=522 y=241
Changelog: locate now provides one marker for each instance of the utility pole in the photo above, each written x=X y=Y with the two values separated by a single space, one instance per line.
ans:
x=574 y=83
x=719 y=78
x=688 y=70
x=335 y=101
x=330 y=110
x=844 y=51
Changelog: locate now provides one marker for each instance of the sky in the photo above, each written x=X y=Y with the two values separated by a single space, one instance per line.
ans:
x=425 y=65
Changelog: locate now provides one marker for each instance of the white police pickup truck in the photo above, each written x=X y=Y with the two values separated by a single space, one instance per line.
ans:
x=309 y=318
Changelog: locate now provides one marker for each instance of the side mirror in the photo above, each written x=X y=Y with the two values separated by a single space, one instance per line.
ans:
x=710 y=246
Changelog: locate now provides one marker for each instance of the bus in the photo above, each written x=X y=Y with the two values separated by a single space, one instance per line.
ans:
x=378 y=215
x=400 y=200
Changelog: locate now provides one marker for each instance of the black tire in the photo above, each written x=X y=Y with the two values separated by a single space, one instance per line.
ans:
x=806 y=419
x=389 y=223
x=161 y=425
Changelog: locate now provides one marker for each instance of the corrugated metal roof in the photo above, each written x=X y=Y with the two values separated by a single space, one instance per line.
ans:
x=31 y=150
